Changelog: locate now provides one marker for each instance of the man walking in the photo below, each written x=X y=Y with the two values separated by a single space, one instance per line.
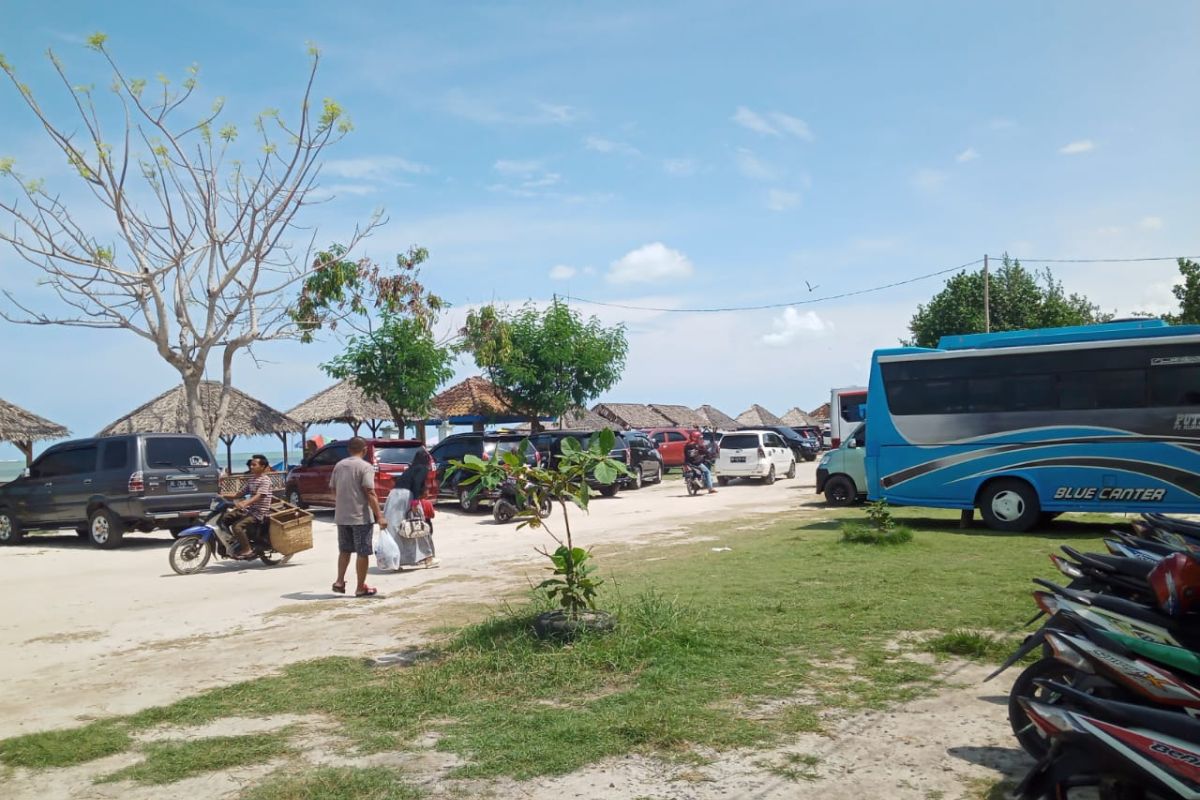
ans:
x=353 y=484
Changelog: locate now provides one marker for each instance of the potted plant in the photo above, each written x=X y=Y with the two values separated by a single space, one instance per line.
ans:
x=574 y=583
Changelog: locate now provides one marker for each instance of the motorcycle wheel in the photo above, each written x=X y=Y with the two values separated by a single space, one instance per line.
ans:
x=189 y=555
x=693 y=486
x=503 y=511
x=1032 y=740
x=545 y=508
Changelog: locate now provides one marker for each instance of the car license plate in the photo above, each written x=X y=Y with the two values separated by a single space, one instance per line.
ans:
x=738 y=459
x=181 y=486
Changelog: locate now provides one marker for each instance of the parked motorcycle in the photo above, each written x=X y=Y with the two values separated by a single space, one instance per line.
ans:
x=510 y=503
x=196 y=545
x=693 y=479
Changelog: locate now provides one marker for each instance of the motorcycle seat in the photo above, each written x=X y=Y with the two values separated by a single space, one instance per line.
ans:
x=1128 y=715
x=1119 y=565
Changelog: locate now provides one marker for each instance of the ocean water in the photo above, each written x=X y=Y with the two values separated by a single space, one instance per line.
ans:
x=13 y=469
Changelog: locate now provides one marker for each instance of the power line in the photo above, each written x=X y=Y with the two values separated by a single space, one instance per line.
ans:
x=1100 y=260
x=807 y=301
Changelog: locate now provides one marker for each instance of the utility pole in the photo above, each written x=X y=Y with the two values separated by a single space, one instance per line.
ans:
x=987 y=302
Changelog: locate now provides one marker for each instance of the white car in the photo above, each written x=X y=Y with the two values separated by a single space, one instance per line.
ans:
x=754 y=454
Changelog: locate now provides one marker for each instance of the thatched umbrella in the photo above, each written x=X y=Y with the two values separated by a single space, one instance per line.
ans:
x=796 y=417
x=23 y=428
x=716 y=419
x=168 y=413
x=680 y=415
x=342 y=402
x=475 y=402
x=632 y=415
x=757 y=415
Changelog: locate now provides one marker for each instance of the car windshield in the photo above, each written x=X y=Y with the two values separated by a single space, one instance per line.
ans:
x=508 y=446
x=739 y=441
x=176 y=451
x=385 y=454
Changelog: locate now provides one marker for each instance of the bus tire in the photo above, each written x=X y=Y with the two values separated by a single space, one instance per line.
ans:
x=1009 y=504
x=840 y=491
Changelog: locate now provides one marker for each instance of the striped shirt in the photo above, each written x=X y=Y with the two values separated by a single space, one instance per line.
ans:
x=259 y=489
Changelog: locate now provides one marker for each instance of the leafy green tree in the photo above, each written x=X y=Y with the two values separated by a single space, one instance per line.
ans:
x=391 y=354
x=1188 y=293
x=399 y=363
x=545 y=361
x=1019 y=299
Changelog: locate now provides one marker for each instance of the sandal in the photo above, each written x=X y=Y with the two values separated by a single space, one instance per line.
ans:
x=339 y=587
x=366 y=591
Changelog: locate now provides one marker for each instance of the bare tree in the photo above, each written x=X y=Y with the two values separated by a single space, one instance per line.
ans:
x=203 y=246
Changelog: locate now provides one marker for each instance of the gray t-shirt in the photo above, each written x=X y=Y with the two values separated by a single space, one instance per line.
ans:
x=350 y=476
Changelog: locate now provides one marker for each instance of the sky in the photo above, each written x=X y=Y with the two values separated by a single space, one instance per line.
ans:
x=671 y=155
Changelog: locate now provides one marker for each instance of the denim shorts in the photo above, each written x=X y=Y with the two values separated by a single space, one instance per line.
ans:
x=356 y=539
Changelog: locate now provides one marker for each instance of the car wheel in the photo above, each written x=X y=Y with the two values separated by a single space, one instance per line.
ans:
x=466 y=501
x=791 y=473
x=10 y=529
x=637 y=482
x=295 y=499
x=1009 y=505
x=105 y=529
x=770 y=476
x=609 y=490
x=658 y=476
x=722 y=480
x=839 y=491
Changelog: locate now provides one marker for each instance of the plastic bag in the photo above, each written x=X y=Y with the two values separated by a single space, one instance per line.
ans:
x=387 y=552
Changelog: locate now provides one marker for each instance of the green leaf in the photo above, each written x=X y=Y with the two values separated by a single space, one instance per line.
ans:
x=605 y=473
x=570 y=446
x=473 y=460
x=96 y=40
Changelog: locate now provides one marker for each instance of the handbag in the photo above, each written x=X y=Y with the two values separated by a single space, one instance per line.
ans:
x=414 y=525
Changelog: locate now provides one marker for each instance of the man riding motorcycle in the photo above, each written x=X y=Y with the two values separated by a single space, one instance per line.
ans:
x=697 y=457
x=250 y=512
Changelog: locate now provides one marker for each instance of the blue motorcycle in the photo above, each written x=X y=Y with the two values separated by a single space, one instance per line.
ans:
x=213 y=538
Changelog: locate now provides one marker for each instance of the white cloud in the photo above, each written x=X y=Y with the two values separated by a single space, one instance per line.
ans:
x=751 y=166
x=372 y=167
x=773 y=123
x=513 y=167
x=1077 y=147
x=488 y=112
x=679 y=167
x=1151 y=223
x=1110 y=230
x=562 y=272
x=792 y=324
x=929 y=180
x=357 y=189
x=779 y=200
x=970 y=154
x=650 y=263
x=602 y=145
x=542 y=181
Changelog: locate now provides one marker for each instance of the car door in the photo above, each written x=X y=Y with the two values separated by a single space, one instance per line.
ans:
x=673 y=449
x=29 y=496
x=443 y=454
x=781 y=454
x=73 y=487
x=314 y=484
x=643 y=452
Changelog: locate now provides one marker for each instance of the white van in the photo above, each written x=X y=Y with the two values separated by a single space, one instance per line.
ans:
x=754 y=454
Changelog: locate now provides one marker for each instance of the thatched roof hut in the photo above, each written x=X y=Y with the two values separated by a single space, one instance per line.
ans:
x=628 y=416
x=246 y=416
x=796 y=417
x=575 y=419
x=716 y=419
x=342 y=402
x=757 y=415
x=476 y=401
x=821 y=414
x=680 y=415
x=23 y=428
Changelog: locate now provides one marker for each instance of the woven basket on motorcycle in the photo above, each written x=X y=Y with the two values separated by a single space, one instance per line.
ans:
x=290 y=528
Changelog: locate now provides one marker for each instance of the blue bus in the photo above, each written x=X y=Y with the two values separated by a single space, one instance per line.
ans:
x=1024 y=425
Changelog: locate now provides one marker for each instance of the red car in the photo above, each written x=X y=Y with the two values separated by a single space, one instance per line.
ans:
x=670 y=443
x=308 y=484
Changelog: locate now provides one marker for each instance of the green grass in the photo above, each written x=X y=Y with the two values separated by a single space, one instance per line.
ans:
x=334 y=783
x=64 y=748
x=727 y=649
x=857 y=533
x=973 y=645
x=167 y=762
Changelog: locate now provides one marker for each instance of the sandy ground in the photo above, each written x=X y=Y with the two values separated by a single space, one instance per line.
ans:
x=93 y=633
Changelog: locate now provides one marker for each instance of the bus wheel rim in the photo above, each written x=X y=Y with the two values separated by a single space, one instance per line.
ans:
x=1008 y=506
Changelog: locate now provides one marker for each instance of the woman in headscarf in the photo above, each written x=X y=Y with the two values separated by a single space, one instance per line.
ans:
x=415 y=536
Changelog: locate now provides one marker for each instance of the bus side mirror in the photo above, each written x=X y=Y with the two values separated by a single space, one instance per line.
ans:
x=852 y=444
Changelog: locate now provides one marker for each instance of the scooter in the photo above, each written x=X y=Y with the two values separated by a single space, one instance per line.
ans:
x=509 y=503
x=196 y=545
x=693 y=478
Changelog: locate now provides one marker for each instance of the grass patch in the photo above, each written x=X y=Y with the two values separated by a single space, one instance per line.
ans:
x=973 y=645
x=712 y=650
x=334 y=783
x=64 y=748
x=167 y=762
x=796 y=767
x=857 y=533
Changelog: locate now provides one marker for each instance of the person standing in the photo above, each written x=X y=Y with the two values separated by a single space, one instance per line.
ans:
x=355 y=506
x=416 y=550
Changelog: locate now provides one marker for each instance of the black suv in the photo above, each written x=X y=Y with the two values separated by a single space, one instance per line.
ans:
x=105 y=486
x=549 y=448
x=641 y=456
x=802 y=448
x=481 y=445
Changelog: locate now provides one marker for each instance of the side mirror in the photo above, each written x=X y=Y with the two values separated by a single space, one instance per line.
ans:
x=852 y=444
x=25 y=472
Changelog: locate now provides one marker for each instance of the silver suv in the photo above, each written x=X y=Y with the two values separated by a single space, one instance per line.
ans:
x=105 y=486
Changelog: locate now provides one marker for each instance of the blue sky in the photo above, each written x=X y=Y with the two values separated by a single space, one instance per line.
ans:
x=674 y=155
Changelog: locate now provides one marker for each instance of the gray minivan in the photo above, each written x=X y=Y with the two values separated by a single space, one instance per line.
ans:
x=105 y=486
